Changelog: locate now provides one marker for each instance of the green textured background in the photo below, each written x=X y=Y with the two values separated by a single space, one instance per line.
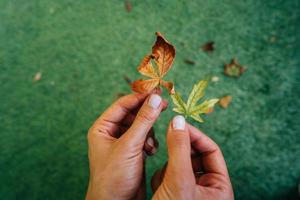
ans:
x=83 y=49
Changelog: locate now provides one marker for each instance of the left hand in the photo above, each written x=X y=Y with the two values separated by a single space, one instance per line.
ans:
x=116 y=143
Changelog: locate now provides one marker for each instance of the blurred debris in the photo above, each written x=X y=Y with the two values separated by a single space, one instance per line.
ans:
x=234 y=69
x=208 y=47
x=215 y=79
x=273 y=39
x=37 y=76
x=182 y=44
x=210 y=110
x=189 y=62
x=51 y=10
x=127 y=79
x=225 y=101
x=128 y=5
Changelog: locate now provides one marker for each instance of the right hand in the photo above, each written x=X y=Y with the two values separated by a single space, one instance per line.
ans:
x=196 y=168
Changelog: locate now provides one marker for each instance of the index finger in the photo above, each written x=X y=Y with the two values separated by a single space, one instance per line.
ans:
x=123 y=106
x=211 y=155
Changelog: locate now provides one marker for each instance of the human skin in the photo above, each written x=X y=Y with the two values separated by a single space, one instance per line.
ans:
x=119 y=139
x=195 y=169
x=117 y=142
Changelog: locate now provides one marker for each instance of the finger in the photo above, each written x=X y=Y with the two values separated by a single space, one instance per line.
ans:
x=157 y=178
x=107 y=122
x=151 y=144
x=197 y=164
x=164 y=107
x=179 y=150
x=141 y=193
x=211 y=155
x=157 y=90
x=129 y=119
x=122 y=107
x=147 y=115
x=193 y=151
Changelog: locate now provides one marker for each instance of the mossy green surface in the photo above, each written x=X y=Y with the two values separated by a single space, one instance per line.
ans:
x=83 y=49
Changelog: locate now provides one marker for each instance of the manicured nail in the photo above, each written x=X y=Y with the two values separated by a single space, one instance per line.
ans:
x=150 y=142
x=178 y=122
x=154 y=101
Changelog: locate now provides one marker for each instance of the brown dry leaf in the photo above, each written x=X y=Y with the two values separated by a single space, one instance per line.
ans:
x=225 y=101
x=144 y=86
x=37 y=76
x=234 y=69
x=163 y=54
x=189 y=62
x=128 y=6
x=208 y=47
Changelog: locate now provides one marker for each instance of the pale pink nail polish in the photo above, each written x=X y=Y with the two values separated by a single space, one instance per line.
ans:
x=178 y=122
x=154 y=101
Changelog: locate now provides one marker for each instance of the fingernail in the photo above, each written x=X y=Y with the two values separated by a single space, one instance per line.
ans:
x=178 y=122
x=153 y=151
x=154 y=101
x=150 y=142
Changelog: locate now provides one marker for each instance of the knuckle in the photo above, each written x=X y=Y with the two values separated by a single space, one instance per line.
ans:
x=146 y=116
x=180 y=138
x=227 y=193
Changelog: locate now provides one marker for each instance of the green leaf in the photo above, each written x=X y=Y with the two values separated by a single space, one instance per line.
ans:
x=204 y=107
x=190 y=109
x=196 y=94
x=177 y=100
x=197 y=118
x=179 y=110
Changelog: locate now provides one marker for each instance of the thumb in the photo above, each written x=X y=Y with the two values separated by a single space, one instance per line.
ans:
x=145 y=118
x=179 y=150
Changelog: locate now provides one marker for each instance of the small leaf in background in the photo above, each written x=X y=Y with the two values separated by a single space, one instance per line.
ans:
x=183 y=44
x=128 y=5
x=37 y=76
x=163 y=54
x=234 y=69
x=189 y=62
x=191 y=108
x=208 y=47
x=127 y=79
x=215 y=79
x=209 y=111
x=273 y=39
x=225 y=101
